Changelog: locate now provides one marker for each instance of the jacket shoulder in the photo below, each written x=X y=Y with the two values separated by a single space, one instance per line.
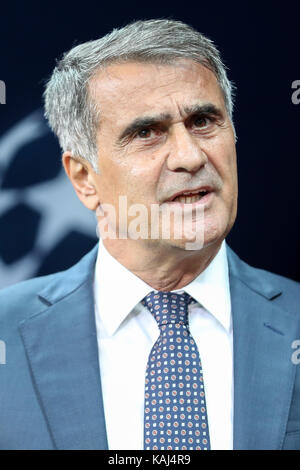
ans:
x=26 y=298
x=21 y=300
x=289 y=298
x=32 y=297
x=284 y=291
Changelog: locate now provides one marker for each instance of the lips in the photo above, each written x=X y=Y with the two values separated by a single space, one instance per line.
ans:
x=189 y=196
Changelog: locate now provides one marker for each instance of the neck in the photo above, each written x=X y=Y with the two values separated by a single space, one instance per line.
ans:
x=164 y=268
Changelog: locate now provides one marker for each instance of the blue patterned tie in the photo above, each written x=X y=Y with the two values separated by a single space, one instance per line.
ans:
x=175 y=410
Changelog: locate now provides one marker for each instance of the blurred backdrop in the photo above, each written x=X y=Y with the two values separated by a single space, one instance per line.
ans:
x=44 y=228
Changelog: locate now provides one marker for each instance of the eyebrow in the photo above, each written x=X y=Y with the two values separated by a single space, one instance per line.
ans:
x=145 y=121
x=207 y=108
x=148 y=121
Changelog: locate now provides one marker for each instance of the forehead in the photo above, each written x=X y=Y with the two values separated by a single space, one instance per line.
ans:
x=124 y=91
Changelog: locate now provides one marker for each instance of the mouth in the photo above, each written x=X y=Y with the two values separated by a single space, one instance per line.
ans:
x=191 y=196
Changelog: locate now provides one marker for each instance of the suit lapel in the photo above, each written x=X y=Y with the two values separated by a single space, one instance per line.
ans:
x=61 y=346
x=263 y=370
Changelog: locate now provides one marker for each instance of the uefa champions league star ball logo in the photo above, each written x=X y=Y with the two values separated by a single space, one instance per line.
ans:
x=43 y=226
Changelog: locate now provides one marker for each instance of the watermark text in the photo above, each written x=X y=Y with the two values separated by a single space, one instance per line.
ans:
x=296 y=93
x=2 y=92
x=156 y=221
x=2 y=352
x=296 y=354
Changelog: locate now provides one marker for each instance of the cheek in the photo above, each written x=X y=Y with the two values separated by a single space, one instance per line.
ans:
x=137 y=184
x=137 y=174
x=223 y=157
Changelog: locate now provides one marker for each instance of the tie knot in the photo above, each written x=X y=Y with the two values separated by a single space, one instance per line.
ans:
x=168 y=307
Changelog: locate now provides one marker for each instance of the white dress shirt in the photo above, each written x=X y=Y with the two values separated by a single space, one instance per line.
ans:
x=126 y=332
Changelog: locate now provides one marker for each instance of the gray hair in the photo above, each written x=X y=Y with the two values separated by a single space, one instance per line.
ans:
x=72 y=113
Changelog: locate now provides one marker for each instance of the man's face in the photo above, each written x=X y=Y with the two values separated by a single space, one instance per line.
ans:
x=164 y=130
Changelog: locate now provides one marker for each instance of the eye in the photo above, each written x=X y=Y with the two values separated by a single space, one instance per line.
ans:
x=144 y=133
x=201 y=121
x=148 y=133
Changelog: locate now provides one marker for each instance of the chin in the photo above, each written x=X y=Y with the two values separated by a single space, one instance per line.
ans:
x=213 y=234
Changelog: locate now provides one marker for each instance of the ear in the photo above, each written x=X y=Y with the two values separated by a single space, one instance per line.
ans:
x=82 y=177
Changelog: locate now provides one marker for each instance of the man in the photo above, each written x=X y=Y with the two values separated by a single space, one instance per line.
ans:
x=144 y=118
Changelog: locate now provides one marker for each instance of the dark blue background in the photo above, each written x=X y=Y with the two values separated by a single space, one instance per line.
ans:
x=259 y=42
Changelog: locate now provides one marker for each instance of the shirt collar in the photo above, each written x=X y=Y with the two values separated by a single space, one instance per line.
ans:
x=211 y=288
x=117 y=290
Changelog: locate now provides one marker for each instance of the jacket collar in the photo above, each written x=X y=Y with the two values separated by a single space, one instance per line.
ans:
x=252 y=278
x=66 y=282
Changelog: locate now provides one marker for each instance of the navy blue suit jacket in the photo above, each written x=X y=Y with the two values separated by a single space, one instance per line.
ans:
x=50 y=387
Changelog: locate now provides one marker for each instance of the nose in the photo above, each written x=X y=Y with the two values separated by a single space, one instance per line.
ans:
x=186 y=153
